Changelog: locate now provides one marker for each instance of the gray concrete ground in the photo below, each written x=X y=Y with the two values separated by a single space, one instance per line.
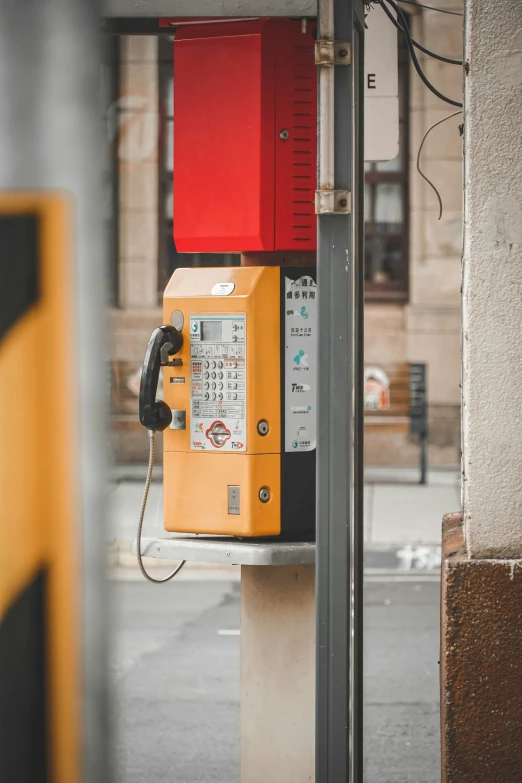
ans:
x=176 y=664
x=176 y=680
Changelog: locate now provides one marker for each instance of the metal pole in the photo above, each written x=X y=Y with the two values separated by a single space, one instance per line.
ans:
x=326 y=102
x=339 y=451
x=51 y=139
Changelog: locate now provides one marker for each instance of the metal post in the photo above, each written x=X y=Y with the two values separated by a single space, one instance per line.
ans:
x=423 y=456
x=339 y=452
x=51 y=140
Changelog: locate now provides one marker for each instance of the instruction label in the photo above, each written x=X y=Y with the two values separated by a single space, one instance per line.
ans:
x=218 y=382
x=300 y=364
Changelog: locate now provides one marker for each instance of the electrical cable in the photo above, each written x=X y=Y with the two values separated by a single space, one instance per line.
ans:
x=152 y=446
x=424 y=177
x=436 y=56
x=413 y=56
x=432 y=8
x=419 y=46
x=404 y=28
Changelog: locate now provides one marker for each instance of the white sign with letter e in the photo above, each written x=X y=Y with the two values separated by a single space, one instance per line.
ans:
x=381 y=87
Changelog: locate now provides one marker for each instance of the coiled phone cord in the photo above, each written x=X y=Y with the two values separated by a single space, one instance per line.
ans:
x=152 y=451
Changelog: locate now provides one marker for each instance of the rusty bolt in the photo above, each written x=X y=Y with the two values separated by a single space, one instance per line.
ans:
x=343 y=202
x=343 y=52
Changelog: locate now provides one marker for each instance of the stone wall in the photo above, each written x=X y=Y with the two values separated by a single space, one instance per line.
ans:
x=137 y=312
x=427 y=328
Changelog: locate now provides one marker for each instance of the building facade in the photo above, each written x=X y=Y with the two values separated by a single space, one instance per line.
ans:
x=413 y=259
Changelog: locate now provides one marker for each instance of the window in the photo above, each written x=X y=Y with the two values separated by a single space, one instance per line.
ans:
x=168 y=257
x=386 y=210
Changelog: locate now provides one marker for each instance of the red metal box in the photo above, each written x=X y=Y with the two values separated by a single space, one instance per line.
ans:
x=245 y=97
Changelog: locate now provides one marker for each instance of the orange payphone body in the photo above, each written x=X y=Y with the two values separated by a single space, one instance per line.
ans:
x=239 y=412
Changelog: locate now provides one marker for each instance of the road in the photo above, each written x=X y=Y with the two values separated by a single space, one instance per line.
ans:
x=176 y=681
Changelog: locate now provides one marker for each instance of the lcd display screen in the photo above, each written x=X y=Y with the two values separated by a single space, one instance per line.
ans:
x=211 y=331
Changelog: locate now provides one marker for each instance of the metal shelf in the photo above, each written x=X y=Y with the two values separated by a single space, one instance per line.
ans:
x=220 y=549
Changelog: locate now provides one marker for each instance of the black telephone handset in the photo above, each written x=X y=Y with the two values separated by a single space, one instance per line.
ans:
x=155 y=415
x=164 y=342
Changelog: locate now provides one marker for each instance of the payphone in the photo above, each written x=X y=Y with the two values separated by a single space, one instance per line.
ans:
x=238 y=350
x=238 y=346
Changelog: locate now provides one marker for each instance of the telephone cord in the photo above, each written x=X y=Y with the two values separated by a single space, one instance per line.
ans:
x=152 y=450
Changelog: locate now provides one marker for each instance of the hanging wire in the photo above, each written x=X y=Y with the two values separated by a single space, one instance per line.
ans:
x=432 y=8
x=419 y=46
x=424 y=177
x=150 y=469
x=413 y=56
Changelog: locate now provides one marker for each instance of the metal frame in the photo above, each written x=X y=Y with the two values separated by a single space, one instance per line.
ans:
x=339 y=450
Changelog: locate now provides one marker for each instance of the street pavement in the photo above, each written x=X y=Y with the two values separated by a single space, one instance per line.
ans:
x=175 y=661
x=175 y=669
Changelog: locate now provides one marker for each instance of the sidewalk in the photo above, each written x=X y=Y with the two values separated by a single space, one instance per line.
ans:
x=402 y=520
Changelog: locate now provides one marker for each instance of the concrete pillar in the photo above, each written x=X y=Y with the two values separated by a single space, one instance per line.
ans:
x=492 y=281
x=481 y=667
x=277 y=674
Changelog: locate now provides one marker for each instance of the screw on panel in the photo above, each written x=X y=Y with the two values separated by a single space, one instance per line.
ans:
x=262 y=427
x=284 y=134
x=264 y=494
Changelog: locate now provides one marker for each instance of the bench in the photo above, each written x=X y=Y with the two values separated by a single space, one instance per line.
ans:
x=395 y=399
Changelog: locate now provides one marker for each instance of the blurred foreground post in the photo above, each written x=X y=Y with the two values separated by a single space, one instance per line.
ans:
x=53 y=724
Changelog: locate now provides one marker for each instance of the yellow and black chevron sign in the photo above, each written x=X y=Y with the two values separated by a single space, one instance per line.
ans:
x=39 y=601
